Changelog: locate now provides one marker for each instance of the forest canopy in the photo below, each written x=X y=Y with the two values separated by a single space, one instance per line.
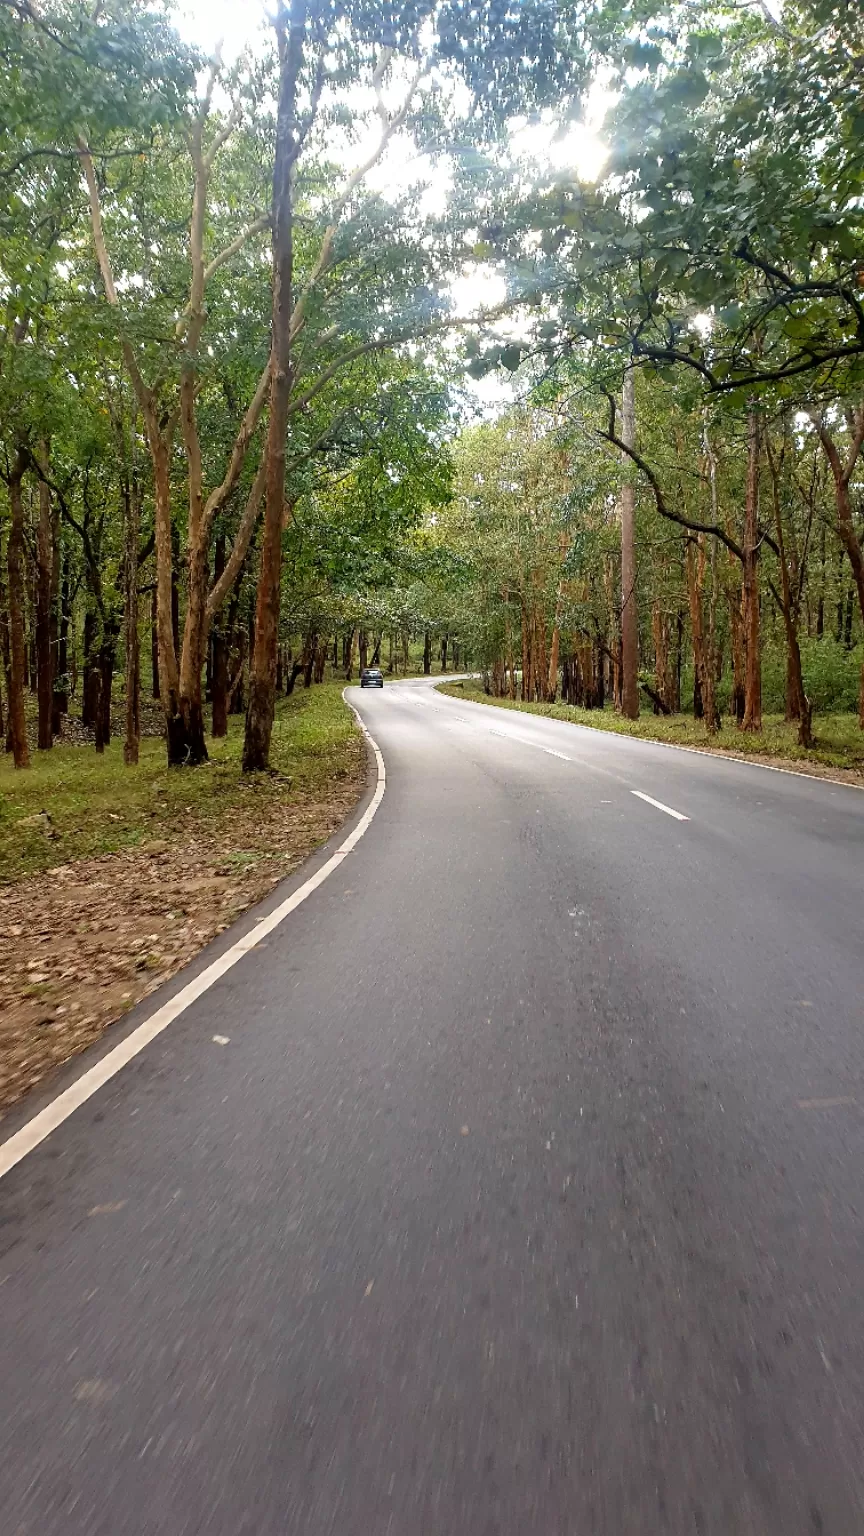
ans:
x=241 y=440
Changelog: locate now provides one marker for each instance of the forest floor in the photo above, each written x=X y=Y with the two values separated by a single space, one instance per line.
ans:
x=112 y=878
x=838 y=752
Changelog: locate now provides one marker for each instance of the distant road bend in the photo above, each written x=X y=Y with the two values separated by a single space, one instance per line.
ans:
x=511 y=1186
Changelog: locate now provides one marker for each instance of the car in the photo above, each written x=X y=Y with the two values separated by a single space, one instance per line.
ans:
x=371 y=677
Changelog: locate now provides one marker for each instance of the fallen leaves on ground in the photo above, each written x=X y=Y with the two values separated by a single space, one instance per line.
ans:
x=80 y=944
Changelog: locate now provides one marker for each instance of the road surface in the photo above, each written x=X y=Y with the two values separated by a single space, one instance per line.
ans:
x=511 y=1187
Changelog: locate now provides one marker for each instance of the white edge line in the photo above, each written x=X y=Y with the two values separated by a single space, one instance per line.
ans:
x=677 y=746
x=659 y=805
x=31 y=1135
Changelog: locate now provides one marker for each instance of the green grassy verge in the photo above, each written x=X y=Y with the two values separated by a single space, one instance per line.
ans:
x=839 y=741
x=72 y=803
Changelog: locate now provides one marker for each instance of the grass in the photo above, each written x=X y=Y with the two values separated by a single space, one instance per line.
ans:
x=72 y=803
x=839 y=743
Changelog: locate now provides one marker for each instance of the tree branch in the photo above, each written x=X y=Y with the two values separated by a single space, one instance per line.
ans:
x=239 y=549
x=257 y=227
x=142 y=393
x=611 y=436
x=217 y=498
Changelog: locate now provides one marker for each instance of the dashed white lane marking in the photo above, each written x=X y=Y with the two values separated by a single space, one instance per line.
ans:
x=53 y=1115
x=522 y=741
x=677 y=746
x=660 y=806
x=841 y=1102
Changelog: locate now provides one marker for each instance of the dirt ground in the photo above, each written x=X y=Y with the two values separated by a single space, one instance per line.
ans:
x=82 y=943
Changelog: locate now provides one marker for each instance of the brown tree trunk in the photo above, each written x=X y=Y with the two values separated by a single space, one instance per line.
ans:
x=552 y=675
x=90 y=683
x=736 y=639
x=105 y=673
x=167 y=615
x=842 y=473
x=444 y=640
x=154 y=647
x=5 y=654
x=219 y=656
x=262 y=679
x=320 y=660
x=17 y=646
x=60 y=622
x=629 y=614
x=131 y=638
x=704 y=706
x=310 y=645
x=750 y=585
x=427 y=653
x=363 y=649
x=349 y=665
x=44 y=589
x=663 y=673
x=192 y=653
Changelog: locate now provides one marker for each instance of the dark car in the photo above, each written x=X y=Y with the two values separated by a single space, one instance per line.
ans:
x=371 y=677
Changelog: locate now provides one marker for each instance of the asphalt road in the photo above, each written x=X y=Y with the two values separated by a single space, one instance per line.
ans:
x=524 y=1199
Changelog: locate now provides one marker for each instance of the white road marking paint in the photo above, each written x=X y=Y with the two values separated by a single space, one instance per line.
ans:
x=677 y=746
x=221 y=1039
x=839 y=1103
x=659 y=805
x=550 y=752
x=37 y=1130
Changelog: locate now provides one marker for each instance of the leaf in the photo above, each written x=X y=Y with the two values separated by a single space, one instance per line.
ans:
x=511 y=356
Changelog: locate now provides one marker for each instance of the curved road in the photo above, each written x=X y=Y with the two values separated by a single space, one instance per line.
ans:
x=522 y=1197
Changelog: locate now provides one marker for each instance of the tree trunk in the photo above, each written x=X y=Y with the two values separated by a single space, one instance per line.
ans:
x=427 y=653
x=154 y=647
x=219 y=655
x=262 y=678
x=629 y=615
x=90 y=683
x=17 y=646
x=44 y=587
x=132 y=507
x=349 y=665
x=192 y=654
x=60 y=701
x=736 y=639
x=105 y=674
x=552 y=675
x=444 y=639
x=167 y=600
x=310 y=644
x=750 y=585
x=845 y=523
x=320 y=660
x=296 y=669
x=363 y=649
